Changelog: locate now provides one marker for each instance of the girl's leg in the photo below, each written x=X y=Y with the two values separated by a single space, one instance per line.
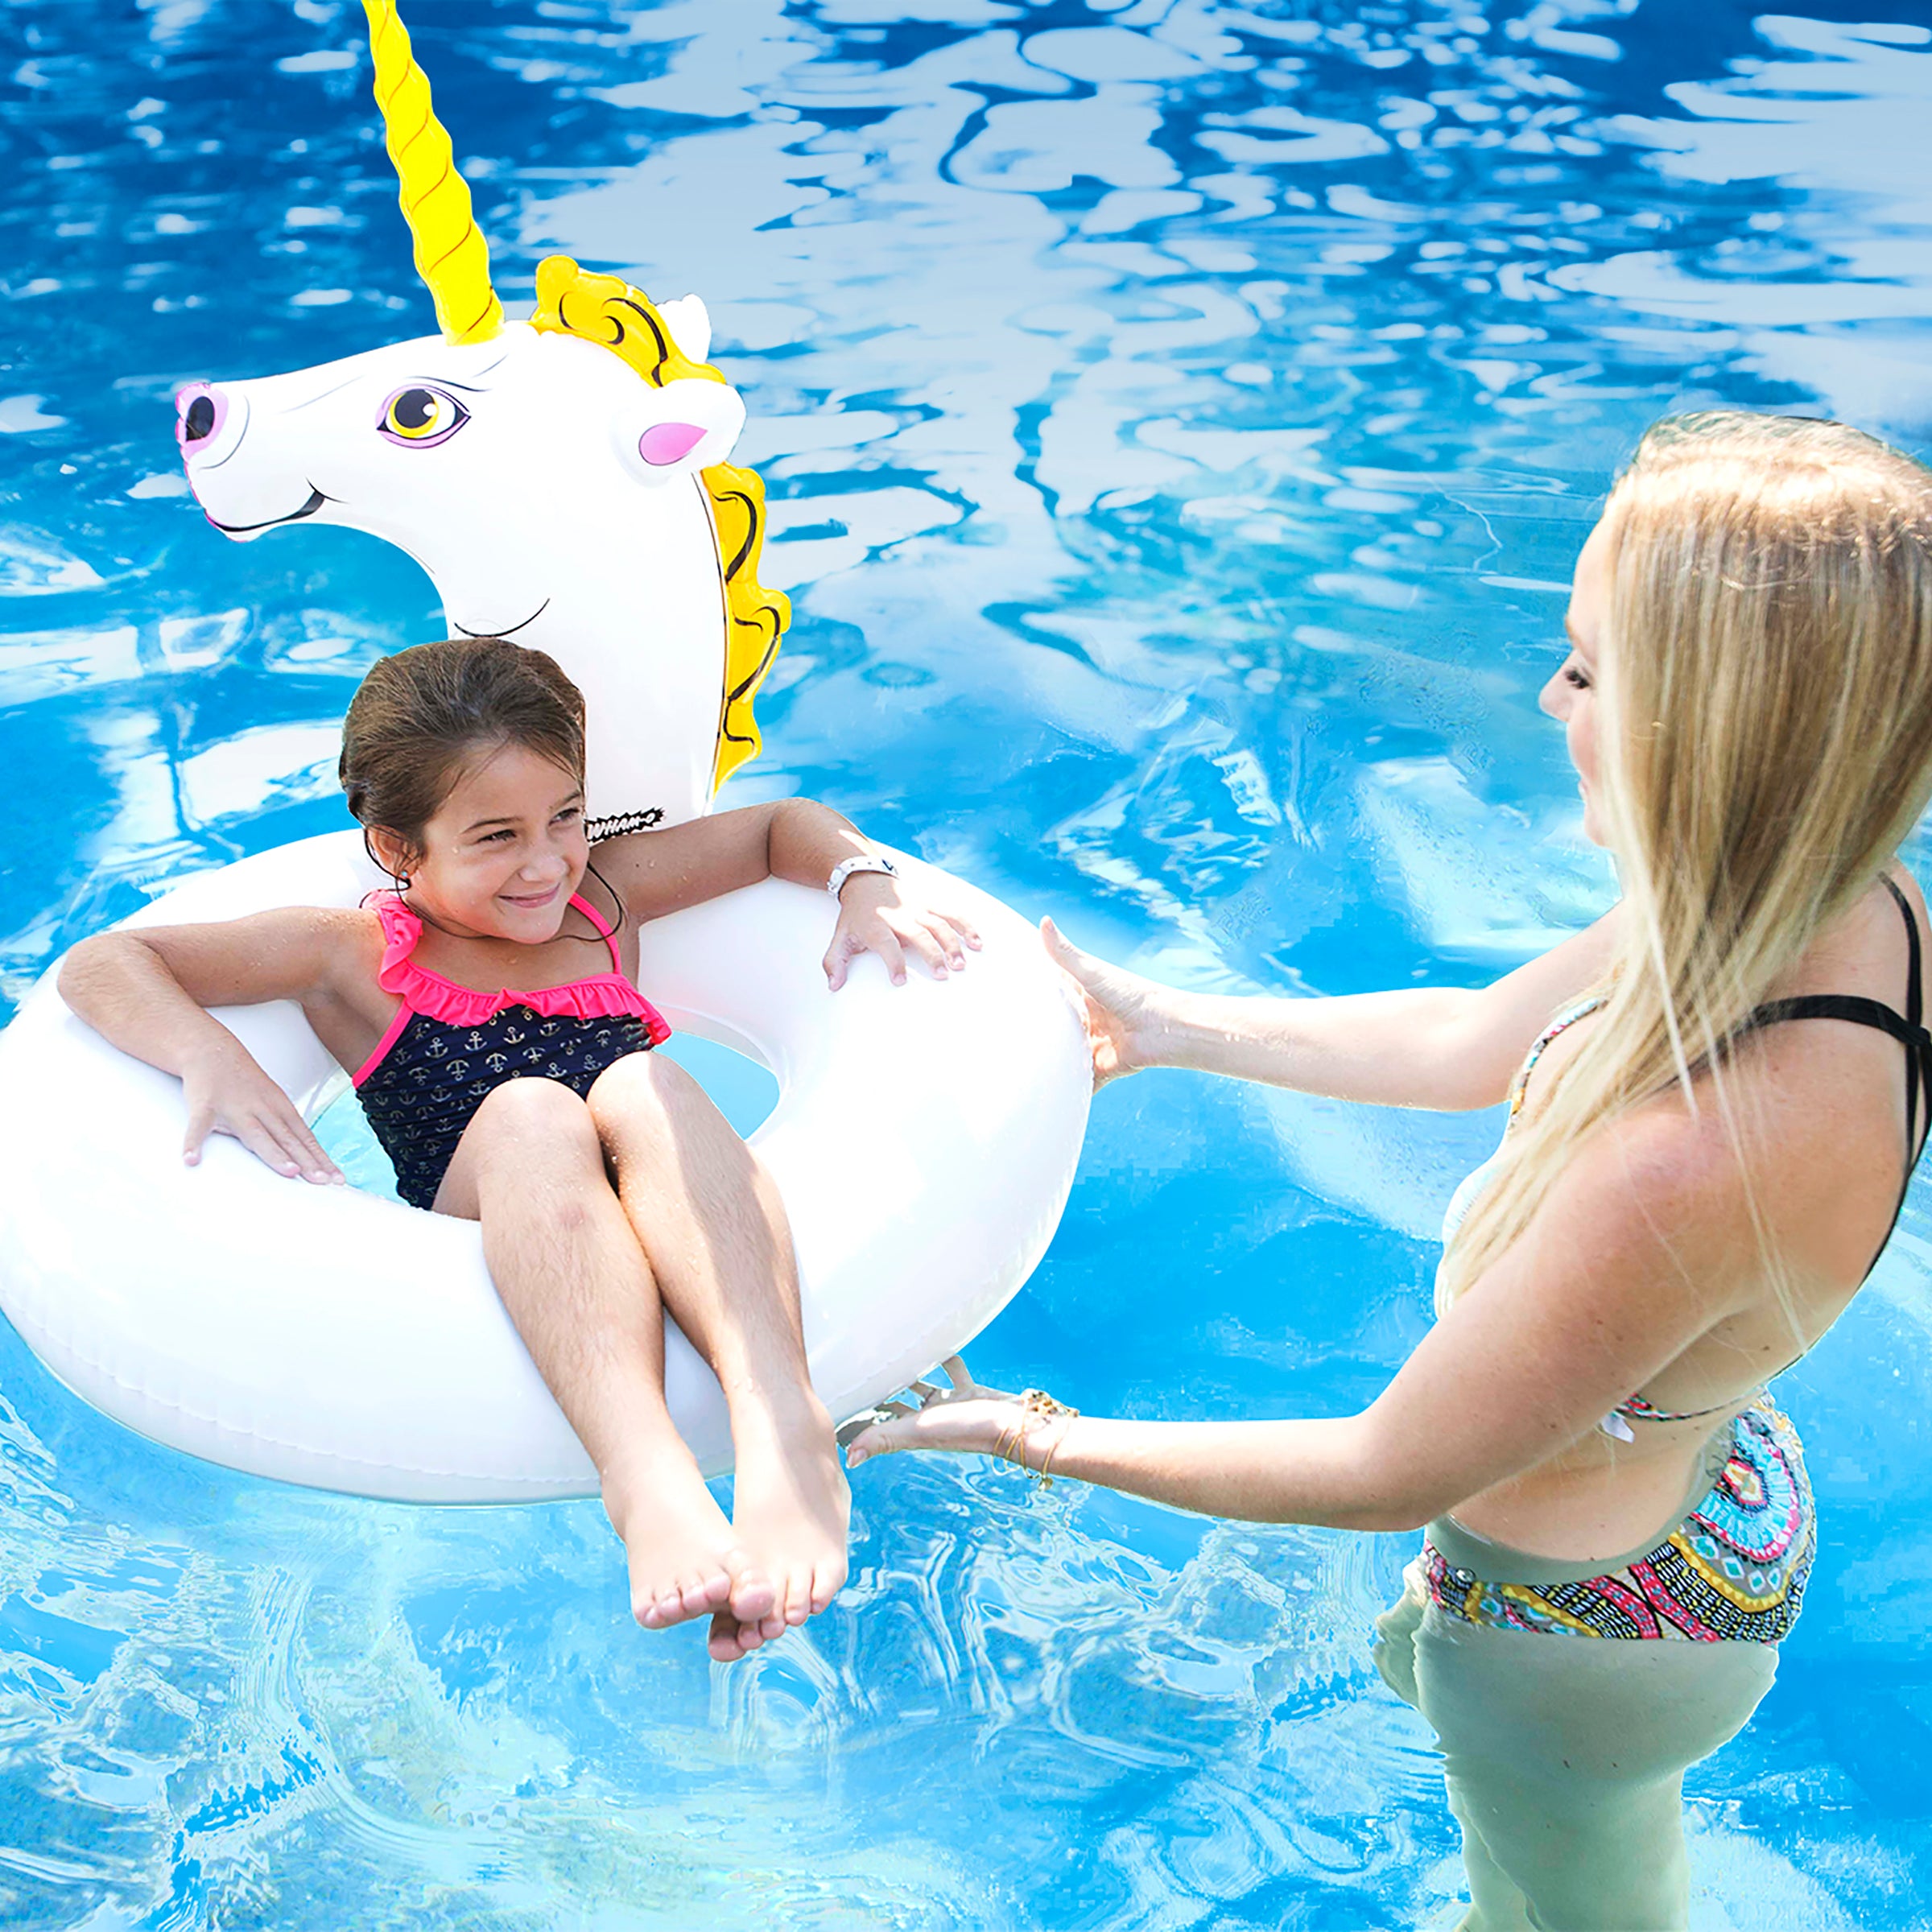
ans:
x=711 y=1225
x=565 y=1259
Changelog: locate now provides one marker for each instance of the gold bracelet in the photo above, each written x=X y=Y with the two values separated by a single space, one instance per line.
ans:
x=1044 y=1480
x=1037 y=1403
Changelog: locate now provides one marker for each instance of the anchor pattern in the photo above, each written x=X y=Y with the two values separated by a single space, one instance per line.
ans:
x=451 y=1047
x=419 y=1105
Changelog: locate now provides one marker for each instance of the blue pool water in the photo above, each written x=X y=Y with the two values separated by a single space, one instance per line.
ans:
x=1180 y=419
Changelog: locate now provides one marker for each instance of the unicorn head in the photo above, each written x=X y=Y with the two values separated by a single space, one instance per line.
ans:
x=563 y=481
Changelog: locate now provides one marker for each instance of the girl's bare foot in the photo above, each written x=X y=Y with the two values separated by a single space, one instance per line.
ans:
x=685 y=1558
x=792 y=1514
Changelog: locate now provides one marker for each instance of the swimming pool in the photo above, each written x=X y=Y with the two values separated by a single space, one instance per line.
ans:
x=1180 y=419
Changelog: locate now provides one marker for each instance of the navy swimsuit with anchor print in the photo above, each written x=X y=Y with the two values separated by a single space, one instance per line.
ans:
x=449 y=1047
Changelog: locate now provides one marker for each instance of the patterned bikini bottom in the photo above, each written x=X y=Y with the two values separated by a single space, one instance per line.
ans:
x=1735 y=1569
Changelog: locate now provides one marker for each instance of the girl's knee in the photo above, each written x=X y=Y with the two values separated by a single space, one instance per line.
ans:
x=525 y=1130
x=533 y=1114
x=649 y=1082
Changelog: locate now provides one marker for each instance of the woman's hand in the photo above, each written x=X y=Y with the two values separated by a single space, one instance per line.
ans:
x=876 y=916
x=1125 y=1015
x=228 y=1092
x=967 y=1419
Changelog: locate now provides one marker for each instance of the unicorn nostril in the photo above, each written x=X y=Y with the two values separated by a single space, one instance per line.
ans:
x=200 y=410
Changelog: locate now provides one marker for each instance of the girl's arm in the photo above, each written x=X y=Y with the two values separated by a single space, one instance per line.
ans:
x=1437 y=1047
x=1651 y=1246
x=655 y=873
x=146 y=991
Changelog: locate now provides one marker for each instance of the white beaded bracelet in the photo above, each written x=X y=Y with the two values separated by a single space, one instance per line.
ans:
x=861 y=862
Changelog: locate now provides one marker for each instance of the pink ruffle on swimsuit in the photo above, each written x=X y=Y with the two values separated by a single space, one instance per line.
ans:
x=450 y=1047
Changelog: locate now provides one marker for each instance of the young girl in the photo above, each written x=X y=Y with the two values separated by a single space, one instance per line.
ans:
x=1716 y=1094
x=489 y=1011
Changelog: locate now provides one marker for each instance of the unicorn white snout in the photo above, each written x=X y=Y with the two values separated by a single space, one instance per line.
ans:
x=550 y=494
x=506 y=429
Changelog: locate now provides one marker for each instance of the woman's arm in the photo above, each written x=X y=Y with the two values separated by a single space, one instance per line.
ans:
x=1651 y=1246
x=655 y=873
x=1437 y=1047
x=146 y=991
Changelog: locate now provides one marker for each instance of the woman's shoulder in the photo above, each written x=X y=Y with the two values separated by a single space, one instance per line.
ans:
x=1800 y=1136
x=1915 y=896
x=1826 y=1095
x=1871 y=950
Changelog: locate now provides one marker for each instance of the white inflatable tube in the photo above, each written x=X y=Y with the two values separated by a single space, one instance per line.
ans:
x=924 y=1143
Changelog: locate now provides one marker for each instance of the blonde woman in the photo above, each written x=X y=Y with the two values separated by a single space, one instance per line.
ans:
x=1692 y=1186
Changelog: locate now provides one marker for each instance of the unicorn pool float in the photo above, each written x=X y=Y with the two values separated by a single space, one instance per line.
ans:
x=564 y=481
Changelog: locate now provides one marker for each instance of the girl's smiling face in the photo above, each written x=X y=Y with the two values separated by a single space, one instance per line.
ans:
x=504 y=851
x=1571 y=695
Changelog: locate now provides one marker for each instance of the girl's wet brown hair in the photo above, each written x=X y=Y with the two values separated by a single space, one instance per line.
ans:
x=421 y=716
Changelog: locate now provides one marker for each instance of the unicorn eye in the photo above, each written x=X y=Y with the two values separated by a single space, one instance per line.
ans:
x=421 y=416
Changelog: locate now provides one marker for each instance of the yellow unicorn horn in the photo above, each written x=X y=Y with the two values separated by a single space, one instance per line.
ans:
x=452 y=256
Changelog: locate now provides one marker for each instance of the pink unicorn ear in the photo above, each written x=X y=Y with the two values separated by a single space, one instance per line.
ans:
x=664 y=443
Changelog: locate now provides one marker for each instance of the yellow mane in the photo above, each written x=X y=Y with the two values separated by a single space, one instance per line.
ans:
x=607 y=311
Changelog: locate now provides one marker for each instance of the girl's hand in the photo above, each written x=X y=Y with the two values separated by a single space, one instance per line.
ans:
x=875 y=916
x=967 y=1419
x=228 y=1092
x=1125 y=1015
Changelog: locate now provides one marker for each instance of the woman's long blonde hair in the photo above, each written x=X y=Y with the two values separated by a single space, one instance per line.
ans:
x=1765 y=744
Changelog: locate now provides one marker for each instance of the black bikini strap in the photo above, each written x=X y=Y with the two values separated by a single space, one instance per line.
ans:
x=1852 y=1007
x=1920 y=1061
x=1862 y=1012
x=1912 y=999
x=1907 y=1030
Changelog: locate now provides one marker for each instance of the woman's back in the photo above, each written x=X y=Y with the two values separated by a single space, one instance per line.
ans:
x=1828 y=1100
